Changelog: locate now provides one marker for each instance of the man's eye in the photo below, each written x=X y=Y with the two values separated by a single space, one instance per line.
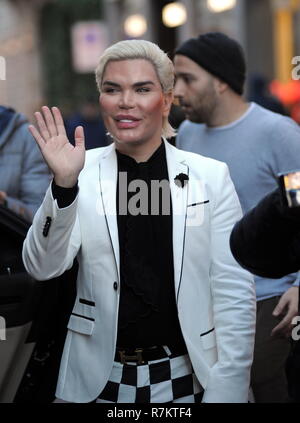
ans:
x=110 y=90
x=143 y=90
x=187 y=79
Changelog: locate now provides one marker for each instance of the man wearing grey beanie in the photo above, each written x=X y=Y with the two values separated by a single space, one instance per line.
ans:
x=257 y=145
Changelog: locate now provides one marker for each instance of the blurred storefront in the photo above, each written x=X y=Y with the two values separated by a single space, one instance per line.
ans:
x=42 y=48
x=37 y=39
x=20 y=85
x=269 y=31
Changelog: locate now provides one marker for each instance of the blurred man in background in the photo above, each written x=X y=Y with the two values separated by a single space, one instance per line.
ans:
x=259 y=93
x=24 y=176
x=90 y=118
x=256 y=144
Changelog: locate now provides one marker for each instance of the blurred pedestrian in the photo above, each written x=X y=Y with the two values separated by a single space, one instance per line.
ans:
x=256 y=144
x=24 y=176
x=260 y=94
x=90 y=119
x=161 y=304
x=266 y=241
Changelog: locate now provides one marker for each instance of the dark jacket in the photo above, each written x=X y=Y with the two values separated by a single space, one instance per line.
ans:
x=266 y=241
x=24 y=176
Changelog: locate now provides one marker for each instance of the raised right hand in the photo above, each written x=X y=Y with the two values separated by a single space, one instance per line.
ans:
x=64 y=160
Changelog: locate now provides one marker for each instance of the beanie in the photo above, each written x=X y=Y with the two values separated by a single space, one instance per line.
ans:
x=218 y=54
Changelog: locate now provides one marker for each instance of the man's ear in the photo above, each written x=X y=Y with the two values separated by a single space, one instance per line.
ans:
x=220 y=85
x=168 y=100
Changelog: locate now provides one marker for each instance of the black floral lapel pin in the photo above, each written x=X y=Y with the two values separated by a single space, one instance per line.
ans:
x=181 y=180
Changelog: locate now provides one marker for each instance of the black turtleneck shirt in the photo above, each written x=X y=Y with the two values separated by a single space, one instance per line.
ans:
x=147 y=308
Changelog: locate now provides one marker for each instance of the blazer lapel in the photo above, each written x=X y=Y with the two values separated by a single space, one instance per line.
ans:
x=179 y=195
x=108 y=189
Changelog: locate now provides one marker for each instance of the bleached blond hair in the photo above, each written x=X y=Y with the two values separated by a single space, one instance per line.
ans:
x=141 y=49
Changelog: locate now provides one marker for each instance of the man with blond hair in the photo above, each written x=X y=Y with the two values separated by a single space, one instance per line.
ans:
x=163 y=312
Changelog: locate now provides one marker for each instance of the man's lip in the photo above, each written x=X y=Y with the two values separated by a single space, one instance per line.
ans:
x=126 y=117
x=185 y=109
x=127 y=123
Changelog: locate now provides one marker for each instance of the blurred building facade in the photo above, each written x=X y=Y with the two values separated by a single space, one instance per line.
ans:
x=19 y=48
x=35 y=39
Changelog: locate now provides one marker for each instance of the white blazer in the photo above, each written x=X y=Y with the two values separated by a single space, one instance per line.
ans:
x=215 y=297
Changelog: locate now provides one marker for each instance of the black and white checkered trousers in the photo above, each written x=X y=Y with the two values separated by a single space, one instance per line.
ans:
x=168 y=380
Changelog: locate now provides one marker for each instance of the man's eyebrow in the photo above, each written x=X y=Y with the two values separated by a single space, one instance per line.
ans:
x=136 y=84
x=139 y=84
x=181 y=74
x=114 y=84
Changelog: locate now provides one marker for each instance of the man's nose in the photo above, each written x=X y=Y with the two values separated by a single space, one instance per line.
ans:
x=127 y=100
x=178 y=89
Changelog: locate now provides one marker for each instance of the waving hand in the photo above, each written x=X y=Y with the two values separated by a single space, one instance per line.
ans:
x=64 y=160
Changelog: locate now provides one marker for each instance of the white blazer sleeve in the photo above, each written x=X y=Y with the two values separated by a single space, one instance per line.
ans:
x=234 y=302
x=53 y=240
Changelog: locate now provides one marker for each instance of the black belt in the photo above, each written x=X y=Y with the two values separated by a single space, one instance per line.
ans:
x=143 y=355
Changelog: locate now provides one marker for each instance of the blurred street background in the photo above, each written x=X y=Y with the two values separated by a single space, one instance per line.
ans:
x=49 y=48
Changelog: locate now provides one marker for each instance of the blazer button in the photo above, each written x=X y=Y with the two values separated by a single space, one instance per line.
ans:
x=115 y=286
x=47 y=226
